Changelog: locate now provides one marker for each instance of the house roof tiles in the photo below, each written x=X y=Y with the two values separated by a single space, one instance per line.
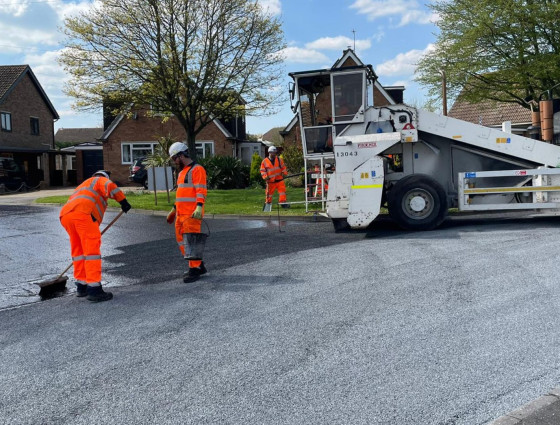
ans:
x=78 y=135
x=489 y=113
x=11 y=75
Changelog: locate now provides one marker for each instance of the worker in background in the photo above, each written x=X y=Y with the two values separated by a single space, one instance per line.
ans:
x=81 y=216
x=189 y=204
x=273 y=171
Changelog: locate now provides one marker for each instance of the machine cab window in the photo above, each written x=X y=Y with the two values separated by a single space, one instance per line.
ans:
x=327 y=101
x=348 y=90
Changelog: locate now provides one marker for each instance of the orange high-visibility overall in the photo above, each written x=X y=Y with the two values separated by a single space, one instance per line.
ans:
x=81 y=217
x=273 y=174
x=191 y=191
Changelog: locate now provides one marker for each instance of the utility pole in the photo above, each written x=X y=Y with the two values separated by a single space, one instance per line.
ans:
x=444 y=92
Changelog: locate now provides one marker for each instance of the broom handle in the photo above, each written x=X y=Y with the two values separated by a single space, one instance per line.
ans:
x=104 y=230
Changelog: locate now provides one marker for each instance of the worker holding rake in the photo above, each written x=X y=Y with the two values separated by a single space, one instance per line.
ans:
x=188 y=210
x=273 y=171
x=81 y=217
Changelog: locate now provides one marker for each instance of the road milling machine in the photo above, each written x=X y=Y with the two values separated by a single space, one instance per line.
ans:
x=416 y=163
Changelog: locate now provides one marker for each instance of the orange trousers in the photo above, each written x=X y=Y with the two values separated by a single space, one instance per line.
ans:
x=85 y=245
x=186 y=224
x=273 y=187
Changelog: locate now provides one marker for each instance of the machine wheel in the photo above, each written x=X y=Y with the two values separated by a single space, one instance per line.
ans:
x=418 y=202
x=145 y=183
x=340 y=224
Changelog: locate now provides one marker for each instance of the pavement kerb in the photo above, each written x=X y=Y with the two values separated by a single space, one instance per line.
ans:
x=545 y=410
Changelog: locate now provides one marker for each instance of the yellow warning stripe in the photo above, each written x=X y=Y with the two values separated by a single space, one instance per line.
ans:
x=513 y=189
x=368 y=186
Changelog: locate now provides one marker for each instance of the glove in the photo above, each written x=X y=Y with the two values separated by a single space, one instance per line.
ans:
x=197 y=213
x=125 y=206
x=171 y=216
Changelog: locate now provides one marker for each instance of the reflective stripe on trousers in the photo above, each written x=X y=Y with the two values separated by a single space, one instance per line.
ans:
x=186 y=224
x=85 y=245
x=273 y=187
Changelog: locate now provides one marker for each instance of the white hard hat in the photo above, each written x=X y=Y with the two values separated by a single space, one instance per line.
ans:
x=102 y=173
x=177 y=147
x=272 y=149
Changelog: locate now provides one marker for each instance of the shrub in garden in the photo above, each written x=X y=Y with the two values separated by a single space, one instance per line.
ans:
x=225 y=172
x=255 y=175
x=293 y=158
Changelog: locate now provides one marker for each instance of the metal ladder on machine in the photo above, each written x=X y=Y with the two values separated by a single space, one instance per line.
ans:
x=316 y=185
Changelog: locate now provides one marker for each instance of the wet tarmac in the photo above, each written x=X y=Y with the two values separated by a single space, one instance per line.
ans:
x=139 y=248
x=292 y=324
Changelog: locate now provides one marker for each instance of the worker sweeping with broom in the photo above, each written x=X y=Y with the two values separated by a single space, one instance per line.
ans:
x=81 y=216
x=188 y=210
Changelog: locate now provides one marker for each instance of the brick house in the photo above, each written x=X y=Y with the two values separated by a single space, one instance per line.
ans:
x=87 y=151
x=27 y=126
x=129 y=137
x=389 y=95
x=493 y=114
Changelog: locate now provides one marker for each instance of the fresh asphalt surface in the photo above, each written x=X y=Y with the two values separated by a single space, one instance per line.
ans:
x=304 y=325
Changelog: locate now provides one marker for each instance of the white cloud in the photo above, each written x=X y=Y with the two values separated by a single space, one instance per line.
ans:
x=65 y=10
x=299 y=55
x=338 y=43
x=274 y=7
x=13 y=8
x=402 y=64
x=409 y=10
x=46 y=69
x=19 y=39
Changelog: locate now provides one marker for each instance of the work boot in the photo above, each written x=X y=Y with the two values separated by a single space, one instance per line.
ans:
x=193 y=274
x=202 y=268
x=285 y=205
x=96 y=294
x=81 y=290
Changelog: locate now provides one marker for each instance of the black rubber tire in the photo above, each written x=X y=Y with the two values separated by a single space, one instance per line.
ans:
x=145 y=183
x=428 y=195
x=340 y=224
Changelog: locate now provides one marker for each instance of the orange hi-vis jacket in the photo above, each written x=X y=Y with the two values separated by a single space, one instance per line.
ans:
x=191 y=189
x=91 y=197
x=274 y=172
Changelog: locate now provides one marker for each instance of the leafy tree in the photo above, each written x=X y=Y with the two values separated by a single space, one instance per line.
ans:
x=252 y=137
x=195 y=59
x=502 y=50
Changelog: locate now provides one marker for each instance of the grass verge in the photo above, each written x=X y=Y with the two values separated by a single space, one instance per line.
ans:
x=235 y=201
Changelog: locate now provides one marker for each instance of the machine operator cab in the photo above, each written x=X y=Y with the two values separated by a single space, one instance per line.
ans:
x=327 y=101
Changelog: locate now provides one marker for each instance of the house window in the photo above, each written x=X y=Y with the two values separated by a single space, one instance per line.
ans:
x=133 y=151
x=204 y=149
x=5 y=121
x=34 y=122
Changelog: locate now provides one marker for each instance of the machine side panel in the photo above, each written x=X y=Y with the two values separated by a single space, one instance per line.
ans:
x=490 y=139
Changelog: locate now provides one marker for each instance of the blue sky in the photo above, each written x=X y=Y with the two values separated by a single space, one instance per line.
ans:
x=391 y=35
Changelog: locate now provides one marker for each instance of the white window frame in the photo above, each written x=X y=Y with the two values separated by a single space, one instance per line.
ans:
x=202 y=145
x=131 y=147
